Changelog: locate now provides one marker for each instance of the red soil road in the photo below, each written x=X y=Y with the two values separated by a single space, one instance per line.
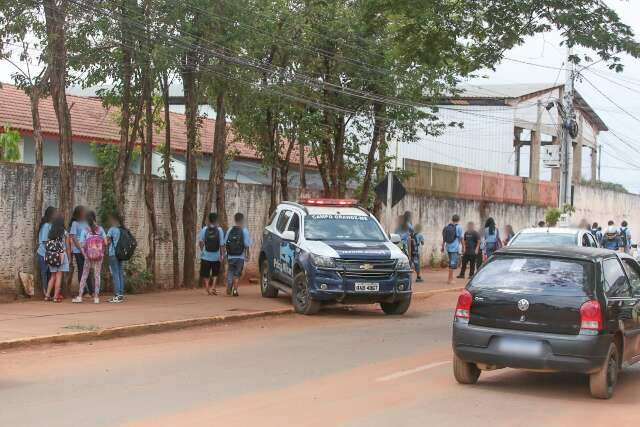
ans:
x=343 y=367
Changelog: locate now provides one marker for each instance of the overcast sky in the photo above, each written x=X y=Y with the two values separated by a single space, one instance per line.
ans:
x=623 y=89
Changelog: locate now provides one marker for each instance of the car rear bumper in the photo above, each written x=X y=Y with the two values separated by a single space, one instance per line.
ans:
x=530 y=350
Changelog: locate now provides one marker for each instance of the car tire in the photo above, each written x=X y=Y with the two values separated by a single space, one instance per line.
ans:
x=300 y=297
x=465 y=372
x=397 y=308
x=267 y=290
x=603 y=382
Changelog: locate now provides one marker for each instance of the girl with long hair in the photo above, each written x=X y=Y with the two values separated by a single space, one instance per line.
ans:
x=491 y=238
x=58 y=233
x=93 y=241
x=77 y=225
x=43 y=236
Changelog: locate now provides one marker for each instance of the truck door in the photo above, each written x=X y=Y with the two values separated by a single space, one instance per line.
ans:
x=622 y=306
x=289 y=250
x=276 y=244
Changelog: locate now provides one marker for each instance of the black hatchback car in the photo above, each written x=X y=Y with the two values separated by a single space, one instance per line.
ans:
x=568 y=309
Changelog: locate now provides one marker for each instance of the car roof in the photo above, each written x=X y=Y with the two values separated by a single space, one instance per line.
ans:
x=336 y=210
x=573 y=252
x=550 y=230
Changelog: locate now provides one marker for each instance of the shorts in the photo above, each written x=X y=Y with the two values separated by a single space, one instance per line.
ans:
x=454 y=260
x=209 y=268
x=236 y=265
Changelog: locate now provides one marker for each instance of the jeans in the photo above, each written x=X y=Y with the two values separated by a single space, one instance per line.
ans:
x=234 y=269
x=454 y=259
x=471 y=260
x=117 y=273
x=44 y=273
x=80 y=265
x=416 y=265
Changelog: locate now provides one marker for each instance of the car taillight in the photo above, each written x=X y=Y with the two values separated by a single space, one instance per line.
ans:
x=463 y=308
x=590 y=316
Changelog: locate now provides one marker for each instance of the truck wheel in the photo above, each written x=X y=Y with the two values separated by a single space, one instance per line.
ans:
x=602 y=383
x=465 y=372
x=396 y=308
x=267 y=290
x=302 y=301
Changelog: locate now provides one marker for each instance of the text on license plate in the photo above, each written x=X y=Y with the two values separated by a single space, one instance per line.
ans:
x=367 y=287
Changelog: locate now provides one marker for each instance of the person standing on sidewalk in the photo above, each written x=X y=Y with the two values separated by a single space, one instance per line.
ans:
x=93 y=241
x=417 y=242
x=210 y=241
x=452 y=241
x=43 y=236
x=77 y=226
x=625 y=237
x=471 y=247
x=237 y=244
x=116 y=266
x=57 y=254
x=405 y=231
x=491 y=238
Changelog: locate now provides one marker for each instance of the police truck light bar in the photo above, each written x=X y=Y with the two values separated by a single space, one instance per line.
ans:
x=329 y=202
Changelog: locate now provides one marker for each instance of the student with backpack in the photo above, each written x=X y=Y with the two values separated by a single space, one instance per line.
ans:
x=121 y=245
x=43 y=236
x=93 y=241
x=77 y=226
x=625 y=237
x=452 y=241
x=237 y=244
x=611 y=238
x=596 y=232
x=491 y=238
x=210 y=241
x=417 y=241
x=57 y=254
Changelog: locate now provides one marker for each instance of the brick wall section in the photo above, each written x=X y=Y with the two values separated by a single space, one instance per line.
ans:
x=16 y=203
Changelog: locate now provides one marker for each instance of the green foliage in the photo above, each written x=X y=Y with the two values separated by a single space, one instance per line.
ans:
x=604 y=185
x=568 y=208
x=136 y=278
x=10 y=145
x=552 y=216
x=106 y=156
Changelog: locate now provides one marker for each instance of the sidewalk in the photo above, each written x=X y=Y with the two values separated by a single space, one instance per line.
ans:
x=43 y=322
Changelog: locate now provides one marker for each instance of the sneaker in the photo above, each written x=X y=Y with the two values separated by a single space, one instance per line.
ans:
x=96 y=300
x=77 y=299
x=460 y=276
x=235 y=293
x=419 y=280
x=115 y=300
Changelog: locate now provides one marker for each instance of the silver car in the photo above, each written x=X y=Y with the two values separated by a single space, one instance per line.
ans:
x=553 y=237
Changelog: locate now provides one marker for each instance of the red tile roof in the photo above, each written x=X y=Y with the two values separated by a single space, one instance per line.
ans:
x=92 y=122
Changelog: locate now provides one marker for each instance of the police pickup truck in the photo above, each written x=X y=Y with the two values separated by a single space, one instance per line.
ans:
x=322 y=251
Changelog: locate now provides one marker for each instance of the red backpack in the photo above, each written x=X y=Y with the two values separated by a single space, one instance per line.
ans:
x=93 y=246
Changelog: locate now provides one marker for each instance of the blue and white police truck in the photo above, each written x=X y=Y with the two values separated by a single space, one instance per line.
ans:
x=323 y=251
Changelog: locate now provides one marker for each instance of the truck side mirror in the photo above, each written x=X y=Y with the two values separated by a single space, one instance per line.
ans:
x=289 y=236
x=395 y=238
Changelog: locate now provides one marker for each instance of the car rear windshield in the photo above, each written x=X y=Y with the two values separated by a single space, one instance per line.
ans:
x=342 y=227
x=535 y=275
x=545 y=239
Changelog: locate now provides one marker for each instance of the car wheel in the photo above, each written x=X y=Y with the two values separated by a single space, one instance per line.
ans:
x=396 y=308
x=302 y=301
x=465 y=372
x=603 y=383
x=267 y=290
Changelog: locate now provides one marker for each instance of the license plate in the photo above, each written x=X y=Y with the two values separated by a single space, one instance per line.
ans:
x=520 y=347
x=367 y=287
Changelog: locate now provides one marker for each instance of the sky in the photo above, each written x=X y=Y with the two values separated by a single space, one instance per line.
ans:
x=620 y=161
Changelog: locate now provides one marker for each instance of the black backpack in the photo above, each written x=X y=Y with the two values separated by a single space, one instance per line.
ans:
x=449 y=234
x=212 y=239
x=235 y=241
x=126 y=246
x=53 y=249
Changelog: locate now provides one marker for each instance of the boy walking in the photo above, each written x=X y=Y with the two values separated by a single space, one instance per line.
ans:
x=417 y=241
x=210 y=241
x=237 y=242
x=471 y=246
x=452 y=240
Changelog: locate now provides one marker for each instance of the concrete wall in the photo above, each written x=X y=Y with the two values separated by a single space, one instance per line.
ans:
x=433 y=213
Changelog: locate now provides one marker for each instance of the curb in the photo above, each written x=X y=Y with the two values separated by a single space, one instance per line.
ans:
x=166 y=326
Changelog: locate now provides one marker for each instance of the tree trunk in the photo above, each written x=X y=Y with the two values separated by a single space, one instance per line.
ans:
x=378 y=125
x=381 y=172
x=219 y=151
x=301 y=167
x=190 y=188
x=34 y=97
x=148 y=182
x=173 y=217
x=284 y=169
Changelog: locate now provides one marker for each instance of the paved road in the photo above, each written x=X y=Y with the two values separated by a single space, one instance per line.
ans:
x=347 y=368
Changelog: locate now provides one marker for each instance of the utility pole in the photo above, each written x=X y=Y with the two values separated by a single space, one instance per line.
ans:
x=568 y=120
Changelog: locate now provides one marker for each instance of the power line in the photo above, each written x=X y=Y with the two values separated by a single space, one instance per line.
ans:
x=608 y=98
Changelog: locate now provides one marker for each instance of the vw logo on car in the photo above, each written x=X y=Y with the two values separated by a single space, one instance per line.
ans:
x=523 y=305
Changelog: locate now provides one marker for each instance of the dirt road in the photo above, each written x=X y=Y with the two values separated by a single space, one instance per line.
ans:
x=348 y=368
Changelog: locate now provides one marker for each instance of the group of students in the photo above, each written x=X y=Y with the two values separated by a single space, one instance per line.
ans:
x=613 y=237
x=86 y=243
x=216 y=246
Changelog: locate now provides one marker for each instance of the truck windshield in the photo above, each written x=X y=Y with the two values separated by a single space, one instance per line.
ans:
x=342 y=227
x=534 y=275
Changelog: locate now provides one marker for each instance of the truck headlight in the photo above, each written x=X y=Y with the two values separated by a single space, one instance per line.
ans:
x=323 y=261
x=403 y=264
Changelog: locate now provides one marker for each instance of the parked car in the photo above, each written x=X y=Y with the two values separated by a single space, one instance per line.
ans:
x=326 y=251
x=553 y=237
x=555 y=309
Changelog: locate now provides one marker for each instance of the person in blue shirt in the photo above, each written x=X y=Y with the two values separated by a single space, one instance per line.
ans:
x=43 y=235
x=491 y=238
x=58 y=232
x=210 y=242
x=115 y=265
x=78 y=226
x=405 y=231
x=452 y=242
x=625 y=236
x=417 y=241
x=237 y=244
